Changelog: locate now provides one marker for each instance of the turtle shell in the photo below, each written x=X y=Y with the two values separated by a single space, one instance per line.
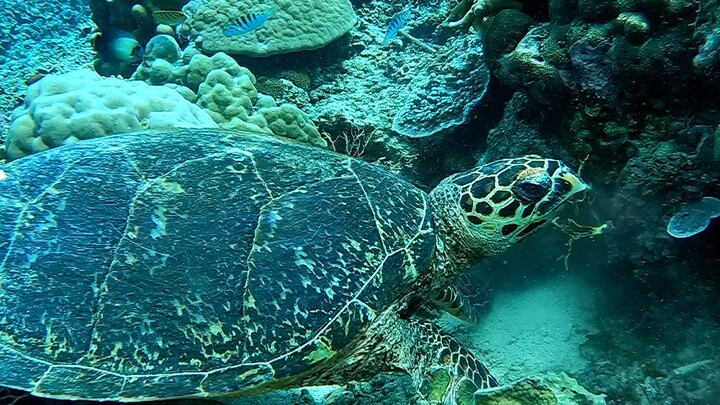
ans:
x=195 y=263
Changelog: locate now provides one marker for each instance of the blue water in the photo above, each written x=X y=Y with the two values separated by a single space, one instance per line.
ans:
x=293 y=186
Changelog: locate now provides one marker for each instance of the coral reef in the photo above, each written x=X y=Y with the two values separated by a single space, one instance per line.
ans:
x=627 y=89
x=624 y=89
x=132 y=16
x=367 y=88
x=446 y=91
x=294 y=25
x=62 y=109
x=135 y=18
x=37 y=38
x=225 y=89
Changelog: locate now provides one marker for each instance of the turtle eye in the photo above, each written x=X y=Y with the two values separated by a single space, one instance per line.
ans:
x=532 y=189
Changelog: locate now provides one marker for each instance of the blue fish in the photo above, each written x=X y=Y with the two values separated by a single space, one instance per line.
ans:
x=118 y=46
x=248 y=22
x=396 y=24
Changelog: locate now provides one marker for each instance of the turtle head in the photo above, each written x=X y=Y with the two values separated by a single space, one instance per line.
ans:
x=488 y=209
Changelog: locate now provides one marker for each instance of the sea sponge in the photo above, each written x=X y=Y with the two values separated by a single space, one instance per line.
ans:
x=65 y=108
x=693 y=218
x=295 y=25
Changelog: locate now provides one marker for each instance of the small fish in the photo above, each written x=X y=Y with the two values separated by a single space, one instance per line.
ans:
x=396 y=24
x=169 y=17
x=37 y=76
x=117 y=46
x=248 y=22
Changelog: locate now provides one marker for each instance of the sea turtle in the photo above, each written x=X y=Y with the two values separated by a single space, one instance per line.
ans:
x=203 y=263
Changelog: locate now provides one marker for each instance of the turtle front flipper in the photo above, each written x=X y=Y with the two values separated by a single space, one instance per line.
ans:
x=441 y=368
x=455 y=303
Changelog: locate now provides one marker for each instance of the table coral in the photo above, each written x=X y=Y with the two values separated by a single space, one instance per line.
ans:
x=62 y=109
x=445 y=91
x=294 y=25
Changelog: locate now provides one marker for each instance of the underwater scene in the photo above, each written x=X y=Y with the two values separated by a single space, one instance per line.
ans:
x=360 y=202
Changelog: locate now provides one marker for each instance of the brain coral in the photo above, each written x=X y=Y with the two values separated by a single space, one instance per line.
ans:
x=295 y=25
x=62 y=109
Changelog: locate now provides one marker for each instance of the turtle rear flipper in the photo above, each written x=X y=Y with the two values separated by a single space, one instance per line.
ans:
x=455 y=303
x=441 y=368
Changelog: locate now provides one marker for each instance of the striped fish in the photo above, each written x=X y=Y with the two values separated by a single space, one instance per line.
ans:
x=248 y=22
x=396 y=24
x=169 y=17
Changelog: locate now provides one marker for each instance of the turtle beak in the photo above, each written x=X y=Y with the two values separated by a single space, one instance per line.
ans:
x=566 y=184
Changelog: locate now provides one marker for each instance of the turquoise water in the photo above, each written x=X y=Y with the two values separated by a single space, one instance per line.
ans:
x=260 y=200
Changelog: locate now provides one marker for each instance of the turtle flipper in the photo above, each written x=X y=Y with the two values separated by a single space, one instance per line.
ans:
x=442 y=369
x=455 y=303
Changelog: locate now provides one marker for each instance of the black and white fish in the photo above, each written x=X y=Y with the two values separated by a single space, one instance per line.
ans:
x=396 y=24
x=248 y=22
x=169 y=17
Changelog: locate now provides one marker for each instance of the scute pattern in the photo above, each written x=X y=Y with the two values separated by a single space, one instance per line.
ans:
x=162 y=304
x=39 y=283
x=488 y=199
x=171 y=243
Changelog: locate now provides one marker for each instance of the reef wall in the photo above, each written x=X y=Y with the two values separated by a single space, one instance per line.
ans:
x=39 y=37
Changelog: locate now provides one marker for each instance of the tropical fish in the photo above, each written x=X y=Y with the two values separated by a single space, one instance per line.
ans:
x=248 y=22
x=169 y=17
x=37 y=76
x=396 y=24
x=118 y=46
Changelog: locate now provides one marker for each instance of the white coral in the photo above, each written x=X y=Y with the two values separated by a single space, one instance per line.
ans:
x=62 y=109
